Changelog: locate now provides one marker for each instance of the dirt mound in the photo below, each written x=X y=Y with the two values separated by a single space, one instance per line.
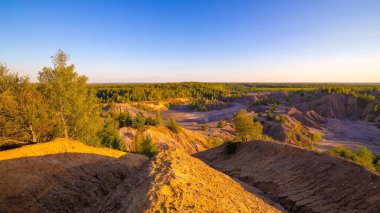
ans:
x=299 y=180
x=260 y=96
x=189 y=141
x=295 y=129
x=309 y=118
x=60 y=176
x=335 y=106
x=176 y=182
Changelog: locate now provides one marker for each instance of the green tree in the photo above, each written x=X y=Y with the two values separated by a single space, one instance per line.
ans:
x=150 y=121
x=74 y=107
x=158 y=118
x=110 y=135
x=220 y=124
x=204 y=127
x=246 y=129
x=125 y=119
x=139 y=121
x=364 y=157
x=173 y=125
x=147 y=147
x=23 y=110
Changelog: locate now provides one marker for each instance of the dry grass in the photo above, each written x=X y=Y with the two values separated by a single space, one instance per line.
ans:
x=57 y=146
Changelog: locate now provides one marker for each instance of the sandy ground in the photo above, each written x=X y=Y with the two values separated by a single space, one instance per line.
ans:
x=351 y=134
x=183 y=114
x=193 y=120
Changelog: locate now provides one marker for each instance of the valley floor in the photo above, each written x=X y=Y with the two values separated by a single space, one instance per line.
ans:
x=351 y=134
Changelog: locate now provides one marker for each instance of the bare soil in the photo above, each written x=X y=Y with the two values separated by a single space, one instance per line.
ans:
x=351 y=134
x=298 y=179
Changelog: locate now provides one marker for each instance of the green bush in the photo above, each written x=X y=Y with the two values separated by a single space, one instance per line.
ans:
x=275 y=106
x=147 y=147
x=316 y=137
x=110 y=137
x=220 y=124
x=245 y=128
x=158 y=118
x=204 y=127
x=341 y=151
x=270 y=116
x=125 y=119
x=139 y=121
x=150 y=121
x=362 y=156
x=215 y=141
x=173 y=125
x=277 y=118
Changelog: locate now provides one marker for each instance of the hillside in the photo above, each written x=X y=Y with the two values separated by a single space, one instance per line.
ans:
x=74 y=177
x=189 y=141
x=299 y=180
x=60 y=175
x=176 y=182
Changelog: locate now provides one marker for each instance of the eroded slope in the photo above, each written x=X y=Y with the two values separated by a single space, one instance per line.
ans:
x=176 y=182
x=189 y=141
x=61 y=176
x=298 y=179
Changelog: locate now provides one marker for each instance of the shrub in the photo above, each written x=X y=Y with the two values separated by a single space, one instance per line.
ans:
x=376 y=108
x=316 y=137
x=139 y=121
x=125 y=119
x=110 y=135
x=204 y=127
x=270 y=116
x=173 y=125
x=245 y=128
x=150 y=121
x=231 y=147
x=220 y=124
x=147 y=147
x=362 y=156
x=158 y=118
x=215 y=141
x=275 y=106
x=277 y=118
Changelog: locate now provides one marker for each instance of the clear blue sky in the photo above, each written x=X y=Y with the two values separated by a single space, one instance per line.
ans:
x=197 y=40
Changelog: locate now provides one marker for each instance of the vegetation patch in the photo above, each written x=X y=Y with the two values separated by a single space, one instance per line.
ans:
x=362 y=156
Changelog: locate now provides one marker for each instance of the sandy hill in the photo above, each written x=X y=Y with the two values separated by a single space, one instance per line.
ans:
x=176 y=182
x=68 y=176
x=299 y=180
x=189 y=141
x=60 y=175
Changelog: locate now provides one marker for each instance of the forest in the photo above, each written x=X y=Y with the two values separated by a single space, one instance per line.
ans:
x=123 y=93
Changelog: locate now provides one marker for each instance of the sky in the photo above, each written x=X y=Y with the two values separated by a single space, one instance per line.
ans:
x=196 y=40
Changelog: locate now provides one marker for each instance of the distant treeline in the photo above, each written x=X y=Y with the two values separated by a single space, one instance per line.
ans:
x=121 y=93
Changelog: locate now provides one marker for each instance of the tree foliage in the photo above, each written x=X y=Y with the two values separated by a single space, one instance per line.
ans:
x=110 y=135
x=246 y=129
x=73 y=106
x=173 y=125
x=23 y=109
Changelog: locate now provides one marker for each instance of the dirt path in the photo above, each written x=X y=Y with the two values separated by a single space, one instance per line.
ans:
x=351 y=134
